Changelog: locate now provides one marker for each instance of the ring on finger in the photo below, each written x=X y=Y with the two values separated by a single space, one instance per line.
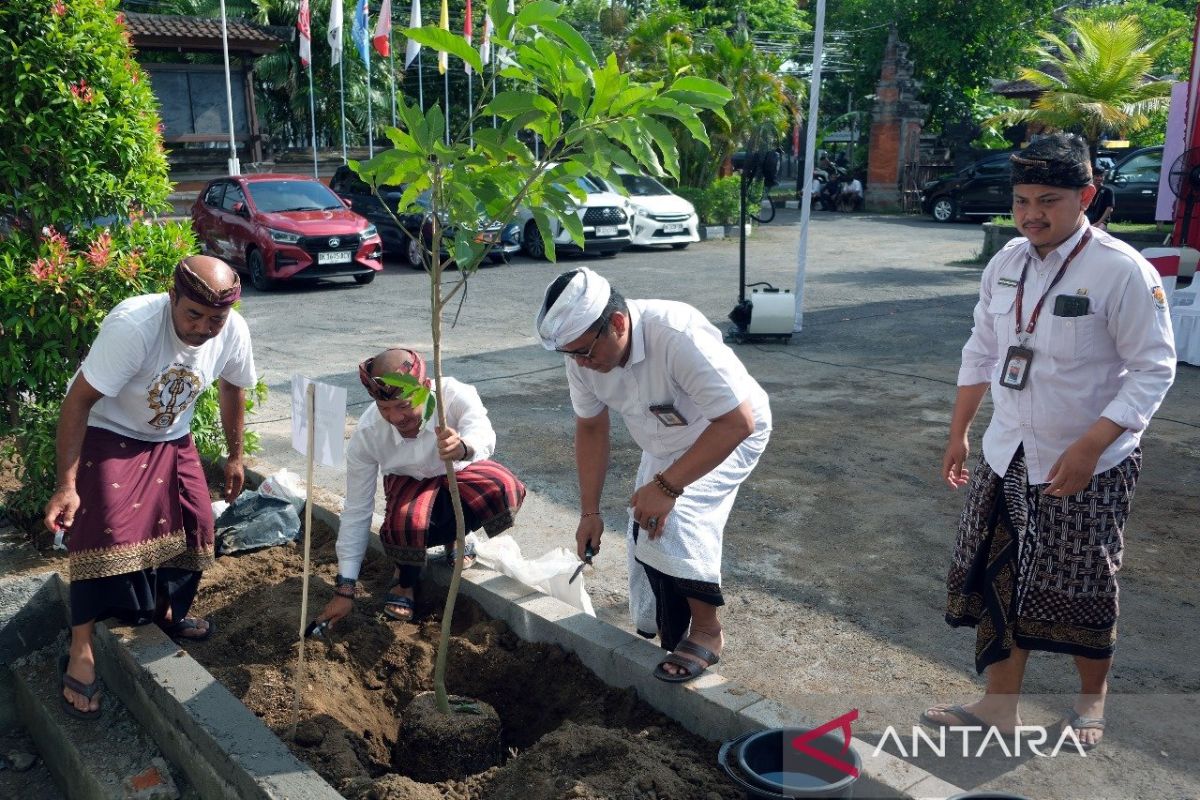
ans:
x=652 y=523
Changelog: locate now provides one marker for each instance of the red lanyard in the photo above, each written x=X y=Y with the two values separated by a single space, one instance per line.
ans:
x=1033 y=318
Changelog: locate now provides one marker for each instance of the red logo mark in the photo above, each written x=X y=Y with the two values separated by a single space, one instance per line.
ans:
x=801 y=743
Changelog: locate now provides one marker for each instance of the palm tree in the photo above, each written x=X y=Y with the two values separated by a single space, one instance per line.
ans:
x=1100 y=85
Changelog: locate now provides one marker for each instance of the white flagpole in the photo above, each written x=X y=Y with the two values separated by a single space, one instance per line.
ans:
x=342 y=94
x=392 y=70
x=494 y=125
x=471 y=109
x=312 y=113
x=235 y=168
x=420 y=83
x=810 y=146
x=370 y=120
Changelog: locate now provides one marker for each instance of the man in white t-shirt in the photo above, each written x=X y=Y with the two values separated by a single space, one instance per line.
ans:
x=702 y=423
x=392 y=439
x=131 y=490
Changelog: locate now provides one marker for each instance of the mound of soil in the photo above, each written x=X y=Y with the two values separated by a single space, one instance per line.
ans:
x=565 y=734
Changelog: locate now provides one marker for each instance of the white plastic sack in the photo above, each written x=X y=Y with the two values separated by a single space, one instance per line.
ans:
x=550 y=573
x=286 y=486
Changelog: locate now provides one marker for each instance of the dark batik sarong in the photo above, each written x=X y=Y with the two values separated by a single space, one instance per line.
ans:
x=419 y=514
x=1039 y=572
x=143 y=505
x=672 y=612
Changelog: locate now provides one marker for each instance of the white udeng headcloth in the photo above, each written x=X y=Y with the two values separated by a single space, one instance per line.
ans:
x=574 y=311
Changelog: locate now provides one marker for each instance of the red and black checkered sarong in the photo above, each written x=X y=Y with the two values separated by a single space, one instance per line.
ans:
x=419 y=513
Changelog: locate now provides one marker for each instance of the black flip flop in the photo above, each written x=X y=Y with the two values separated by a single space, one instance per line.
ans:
x=965 y=718
x=691 y=669
x=88 y=690
x=175 y=630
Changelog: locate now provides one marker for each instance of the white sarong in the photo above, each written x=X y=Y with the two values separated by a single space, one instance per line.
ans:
x=690 y=547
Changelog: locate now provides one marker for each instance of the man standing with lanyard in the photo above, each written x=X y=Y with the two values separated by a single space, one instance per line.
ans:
x=701 y=421
x=1072 y=331
x=131 y=489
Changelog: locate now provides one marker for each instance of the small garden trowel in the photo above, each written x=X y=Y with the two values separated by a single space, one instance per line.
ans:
x=587 y=561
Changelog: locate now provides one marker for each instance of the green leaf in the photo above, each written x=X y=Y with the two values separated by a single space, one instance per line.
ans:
x=512 y=104
x=538 y=13
x=544 y=230
x=571 y=38
x=666 y=144
x=444 y=41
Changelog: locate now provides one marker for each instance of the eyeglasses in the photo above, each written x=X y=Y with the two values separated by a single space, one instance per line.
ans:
x=584 y=355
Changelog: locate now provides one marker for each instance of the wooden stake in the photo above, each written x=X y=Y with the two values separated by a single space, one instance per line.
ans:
x=311 y=411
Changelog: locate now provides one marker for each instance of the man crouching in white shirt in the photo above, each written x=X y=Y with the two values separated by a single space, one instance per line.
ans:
x=1072 y=335
x=392 y=439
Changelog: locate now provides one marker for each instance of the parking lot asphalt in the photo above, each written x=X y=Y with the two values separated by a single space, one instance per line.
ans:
x=836 y=552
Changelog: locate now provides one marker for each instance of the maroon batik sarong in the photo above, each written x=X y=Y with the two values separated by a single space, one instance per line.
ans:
x=142 y=505
x=491 y=496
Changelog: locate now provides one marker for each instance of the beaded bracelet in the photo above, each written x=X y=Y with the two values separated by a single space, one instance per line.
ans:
x=589 y=513
x=345 y=587
x=666 y=488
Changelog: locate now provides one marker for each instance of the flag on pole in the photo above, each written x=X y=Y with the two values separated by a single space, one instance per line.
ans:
x=485 y=44
x=358 y=32
x=383 y=30
x=304 y=25
x=467 y=22
x=335 y=32
x=444 y=24
x=413 y=49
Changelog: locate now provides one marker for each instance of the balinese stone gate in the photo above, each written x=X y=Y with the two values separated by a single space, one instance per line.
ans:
x=896 y=123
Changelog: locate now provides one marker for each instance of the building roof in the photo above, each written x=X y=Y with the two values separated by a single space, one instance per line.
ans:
x=169 y=31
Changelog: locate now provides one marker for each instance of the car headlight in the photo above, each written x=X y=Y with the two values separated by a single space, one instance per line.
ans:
x=370 y=231
x=640 y=210
x=283 y=237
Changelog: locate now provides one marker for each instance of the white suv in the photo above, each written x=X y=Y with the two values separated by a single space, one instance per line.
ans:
x=659 y=215
x=605 y=225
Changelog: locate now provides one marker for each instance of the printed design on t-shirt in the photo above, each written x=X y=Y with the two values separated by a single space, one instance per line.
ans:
x=171 y=394
x=1160 y=298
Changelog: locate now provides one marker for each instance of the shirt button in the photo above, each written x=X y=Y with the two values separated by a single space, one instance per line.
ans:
x=1024 y=424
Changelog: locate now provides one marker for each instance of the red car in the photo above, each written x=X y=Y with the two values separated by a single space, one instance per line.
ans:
x=285 y=227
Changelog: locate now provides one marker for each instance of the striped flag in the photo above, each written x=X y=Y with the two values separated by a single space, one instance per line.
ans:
x=382 y=39
x=467 y=22
x=413 y=49
x=444 y=24
x=304 y=25
x=335 y=32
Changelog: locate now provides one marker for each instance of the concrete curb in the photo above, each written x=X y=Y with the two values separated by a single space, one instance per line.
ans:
x=208 y=734
x=225 y=751
x=710 y=706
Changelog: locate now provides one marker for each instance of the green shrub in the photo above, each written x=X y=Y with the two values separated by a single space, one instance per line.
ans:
x=78 y=120
x=724 y=200
x=206 y=424
x=719 y=203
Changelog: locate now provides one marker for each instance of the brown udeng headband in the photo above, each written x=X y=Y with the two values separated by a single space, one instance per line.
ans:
x=196 y=289
x=379 y=390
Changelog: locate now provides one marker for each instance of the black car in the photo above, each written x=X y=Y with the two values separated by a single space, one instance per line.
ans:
x=400 y=239
x=983 y=189
x=1134 y=181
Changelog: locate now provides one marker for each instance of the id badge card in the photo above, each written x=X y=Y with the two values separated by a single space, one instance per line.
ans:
x=1016 y=367
x=668 y=415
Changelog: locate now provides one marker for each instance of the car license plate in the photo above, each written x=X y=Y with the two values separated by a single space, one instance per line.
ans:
x=335 y=257
x=673 y=227
x=606 y=230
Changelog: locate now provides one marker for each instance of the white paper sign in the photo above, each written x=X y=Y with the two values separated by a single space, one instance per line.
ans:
x=330 y=413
